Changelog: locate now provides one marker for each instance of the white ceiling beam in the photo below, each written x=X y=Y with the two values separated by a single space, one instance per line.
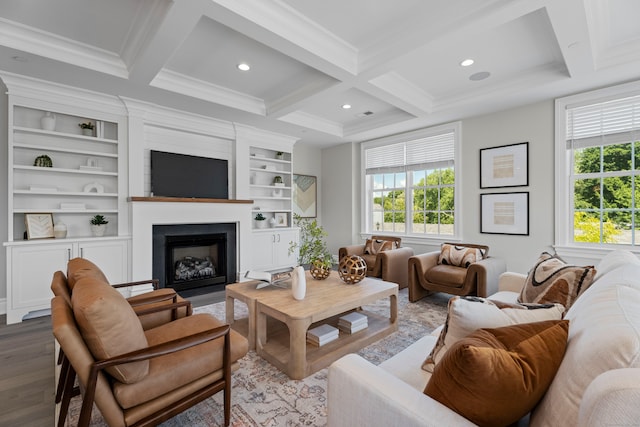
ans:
x=160 y=34
x=569 y=22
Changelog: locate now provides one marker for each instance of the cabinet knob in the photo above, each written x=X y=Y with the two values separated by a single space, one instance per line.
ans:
x=68 y=254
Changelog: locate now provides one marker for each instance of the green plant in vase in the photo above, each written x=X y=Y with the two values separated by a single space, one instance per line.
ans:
x=98 y=225
x=312 y=247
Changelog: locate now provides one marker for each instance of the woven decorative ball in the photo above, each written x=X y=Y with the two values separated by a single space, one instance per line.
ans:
x=319 y=271
x=352 y=269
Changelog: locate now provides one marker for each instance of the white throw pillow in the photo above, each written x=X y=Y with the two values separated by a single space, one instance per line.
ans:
x=466 y=314
x=613 y=260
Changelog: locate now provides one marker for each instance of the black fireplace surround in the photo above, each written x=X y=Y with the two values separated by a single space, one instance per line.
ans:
x=194 y=258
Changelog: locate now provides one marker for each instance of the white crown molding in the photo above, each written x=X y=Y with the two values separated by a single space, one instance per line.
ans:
x=170 y=118
x=185 y=85
x=279 y=18
x=377 y=121
x=250 y=133
x=49 y=45
x=313 y=122
x=42 y=90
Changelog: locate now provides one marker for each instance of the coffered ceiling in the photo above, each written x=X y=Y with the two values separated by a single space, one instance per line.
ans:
x=397 y=63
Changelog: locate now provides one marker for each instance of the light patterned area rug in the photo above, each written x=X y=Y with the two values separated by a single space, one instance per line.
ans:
x=264 y=396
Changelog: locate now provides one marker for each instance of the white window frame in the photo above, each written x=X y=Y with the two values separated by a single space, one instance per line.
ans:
x=564 y=244
x=456 y=128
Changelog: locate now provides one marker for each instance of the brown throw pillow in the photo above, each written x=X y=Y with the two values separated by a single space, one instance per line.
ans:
x=552 y=280
x=459 y=256
x=373 y=247
x=77 y=268
x=109 y=327
x=494 y=377
x=466 y=314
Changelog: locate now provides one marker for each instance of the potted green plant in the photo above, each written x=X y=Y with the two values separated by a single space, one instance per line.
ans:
x=277 y=181
x=312 y=247
x=260 y=220
x=279 y=155
x=87 y=128
x=98 y=225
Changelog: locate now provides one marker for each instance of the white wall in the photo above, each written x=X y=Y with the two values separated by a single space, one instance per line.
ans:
x=307 y=161
x=531 y=123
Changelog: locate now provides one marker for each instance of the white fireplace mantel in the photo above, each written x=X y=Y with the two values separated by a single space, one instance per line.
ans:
x=149 y=211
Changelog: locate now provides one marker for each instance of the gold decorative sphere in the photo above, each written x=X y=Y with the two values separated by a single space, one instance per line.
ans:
x=319 y=271
x=352 y=269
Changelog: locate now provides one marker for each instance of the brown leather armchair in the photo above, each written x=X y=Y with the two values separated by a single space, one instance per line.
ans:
x=153 y=308
x=138 y=377
x=479 y=278
x=389 y=264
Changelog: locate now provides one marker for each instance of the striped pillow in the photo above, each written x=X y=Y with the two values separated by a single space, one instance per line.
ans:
x=460 y=256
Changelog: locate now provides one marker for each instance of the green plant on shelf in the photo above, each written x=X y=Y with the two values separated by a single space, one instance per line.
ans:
x=43 y=161
x=259 y=217
x=87 y=125
x=99 y=220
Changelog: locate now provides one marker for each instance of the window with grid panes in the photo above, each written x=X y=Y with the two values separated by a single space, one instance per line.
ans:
x=410 y=183
x=601 y=152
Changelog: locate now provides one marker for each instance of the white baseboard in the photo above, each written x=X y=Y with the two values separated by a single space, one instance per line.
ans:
x=3 y=306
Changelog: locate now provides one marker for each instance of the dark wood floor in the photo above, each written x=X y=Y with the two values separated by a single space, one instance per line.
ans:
x=27 y=369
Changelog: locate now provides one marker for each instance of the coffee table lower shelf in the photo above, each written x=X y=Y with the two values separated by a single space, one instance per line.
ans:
x=277 y=350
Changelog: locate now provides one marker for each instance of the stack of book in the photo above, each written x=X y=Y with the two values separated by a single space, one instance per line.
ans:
x=322 y=335
x=352 y=322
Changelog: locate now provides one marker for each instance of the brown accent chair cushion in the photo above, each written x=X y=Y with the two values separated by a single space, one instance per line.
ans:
x=494 y=377
x=467 y=314
x=460 y=255
x=551 y=280
x=78 y=268
x=109 y=326
x=175 y=370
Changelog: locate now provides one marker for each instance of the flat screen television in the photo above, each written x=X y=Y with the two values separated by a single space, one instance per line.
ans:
x=182 y=175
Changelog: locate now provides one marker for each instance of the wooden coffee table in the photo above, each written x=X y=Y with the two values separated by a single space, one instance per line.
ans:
x=325 y=301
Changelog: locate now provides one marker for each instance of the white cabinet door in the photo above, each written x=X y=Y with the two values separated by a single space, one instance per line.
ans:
x=270 y=250
x=262 y=251
x=111 y=256
x=30 y=270
x=282 y=242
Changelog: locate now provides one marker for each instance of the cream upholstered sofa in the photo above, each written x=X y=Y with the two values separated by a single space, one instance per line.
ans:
x=597 y=383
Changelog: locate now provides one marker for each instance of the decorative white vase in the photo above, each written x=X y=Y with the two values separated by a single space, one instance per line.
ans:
x=298 y=283
x=60 y=230
x=98 y=230
x=48 y=121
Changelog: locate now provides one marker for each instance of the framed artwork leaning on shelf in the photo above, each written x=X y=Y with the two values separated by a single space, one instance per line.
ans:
x=39 y=225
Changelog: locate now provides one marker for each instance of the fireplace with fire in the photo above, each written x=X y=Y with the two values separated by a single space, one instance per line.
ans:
x=194 y=258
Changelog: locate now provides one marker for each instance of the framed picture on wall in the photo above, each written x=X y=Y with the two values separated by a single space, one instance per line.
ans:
x=39 y=225
x=304 y=196
x=504 y=166
x=504 y=213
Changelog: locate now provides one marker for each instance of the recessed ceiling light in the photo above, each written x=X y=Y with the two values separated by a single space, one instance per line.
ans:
x=346 y=106
x=466 y=62
x=244 y=67
x=479 y=76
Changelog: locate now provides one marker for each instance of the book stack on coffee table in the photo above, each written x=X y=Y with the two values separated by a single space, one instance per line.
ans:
x=352 y=322
x=322 y=334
